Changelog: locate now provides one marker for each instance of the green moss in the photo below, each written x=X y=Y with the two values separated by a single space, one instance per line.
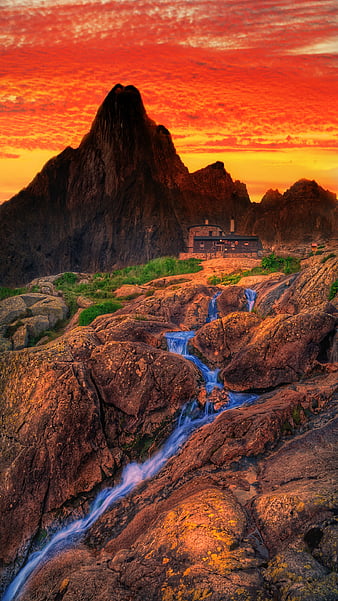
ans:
x=276 y=263
x=66 y=279
x=213 y=280
x=89 y=314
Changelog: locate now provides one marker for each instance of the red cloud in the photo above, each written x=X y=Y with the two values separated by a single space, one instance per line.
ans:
x=220 y=75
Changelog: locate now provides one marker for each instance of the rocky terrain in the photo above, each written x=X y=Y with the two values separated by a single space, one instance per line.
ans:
x=124 y=196
x=244 y=511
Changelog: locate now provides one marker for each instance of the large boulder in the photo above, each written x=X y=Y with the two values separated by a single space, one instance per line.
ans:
x=232 y=299
x=281 y=350
x=133 y=328
x=305 y=291
x=219 y=341
x=26 y=316
x=186 y=306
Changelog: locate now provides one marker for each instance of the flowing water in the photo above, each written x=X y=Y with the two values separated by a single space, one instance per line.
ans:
x=212 y=310
x=191 y=418
x=250 y=297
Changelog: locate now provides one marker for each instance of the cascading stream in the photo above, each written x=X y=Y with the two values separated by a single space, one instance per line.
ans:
x=212 y=310
x=251 y=298
x=191 y=418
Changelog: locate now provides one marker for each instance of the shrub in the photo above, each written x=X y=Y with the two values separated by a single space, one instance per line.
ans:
x=333 y=290
x=89 y=314
x=276 y=263
x=7 y=292
x=66 y=279
x=330 y=256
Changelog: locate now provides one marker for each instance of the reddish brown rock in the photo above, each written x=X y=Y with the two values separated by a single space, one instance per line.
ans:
x=67 y=409
x=310 y=289
x=231 y=300
x=281 y=350
x=271 y=292
x=187 y=307
x=222 y=339
x=227 y=507
x=147 y=385
x=133 y=328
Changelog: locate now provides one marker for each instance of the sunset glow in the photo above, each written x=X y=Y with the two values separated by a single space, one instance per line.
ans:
x=250 y=82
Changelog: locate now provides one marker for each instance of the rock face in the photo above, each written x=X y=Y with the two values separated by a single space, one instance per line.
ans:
x=255 y=353
x=124 y=196
x=185 y=306
x=304 y=213
x=280 y=351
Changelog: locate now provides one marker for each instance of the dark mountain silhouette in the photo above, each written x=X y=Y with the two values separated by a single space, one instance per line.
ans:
x=304 y=213
x=124 y=196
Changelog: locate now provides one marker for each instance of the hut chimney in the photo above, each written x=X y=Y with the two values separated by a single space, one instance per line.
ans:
x=232 y=225
x=206 y=222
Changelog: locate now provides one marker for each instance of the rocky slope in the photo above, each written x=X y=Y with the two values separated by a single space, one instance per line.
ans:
x=124 y=196
x=245 y=511
x=305 y=213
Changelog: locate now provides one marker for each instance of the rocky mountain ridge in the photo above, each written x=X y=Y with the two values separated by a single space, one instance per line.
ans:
x=124 y=196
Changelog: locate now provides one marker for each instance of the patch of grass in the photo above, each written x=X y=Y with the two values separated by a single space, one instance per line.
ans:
x=296 y=415
x=66 y=279
x=102 y=285
x=268 y=265
x=333 y=290
x=89 y=314
x=232 y=279
x=213 y=280
x=7 y=292
x=157 y=268
x=330 y=256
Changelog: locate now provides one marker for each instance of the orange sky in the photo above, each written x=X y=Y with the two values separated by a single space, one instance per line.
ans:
x=249 y=82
